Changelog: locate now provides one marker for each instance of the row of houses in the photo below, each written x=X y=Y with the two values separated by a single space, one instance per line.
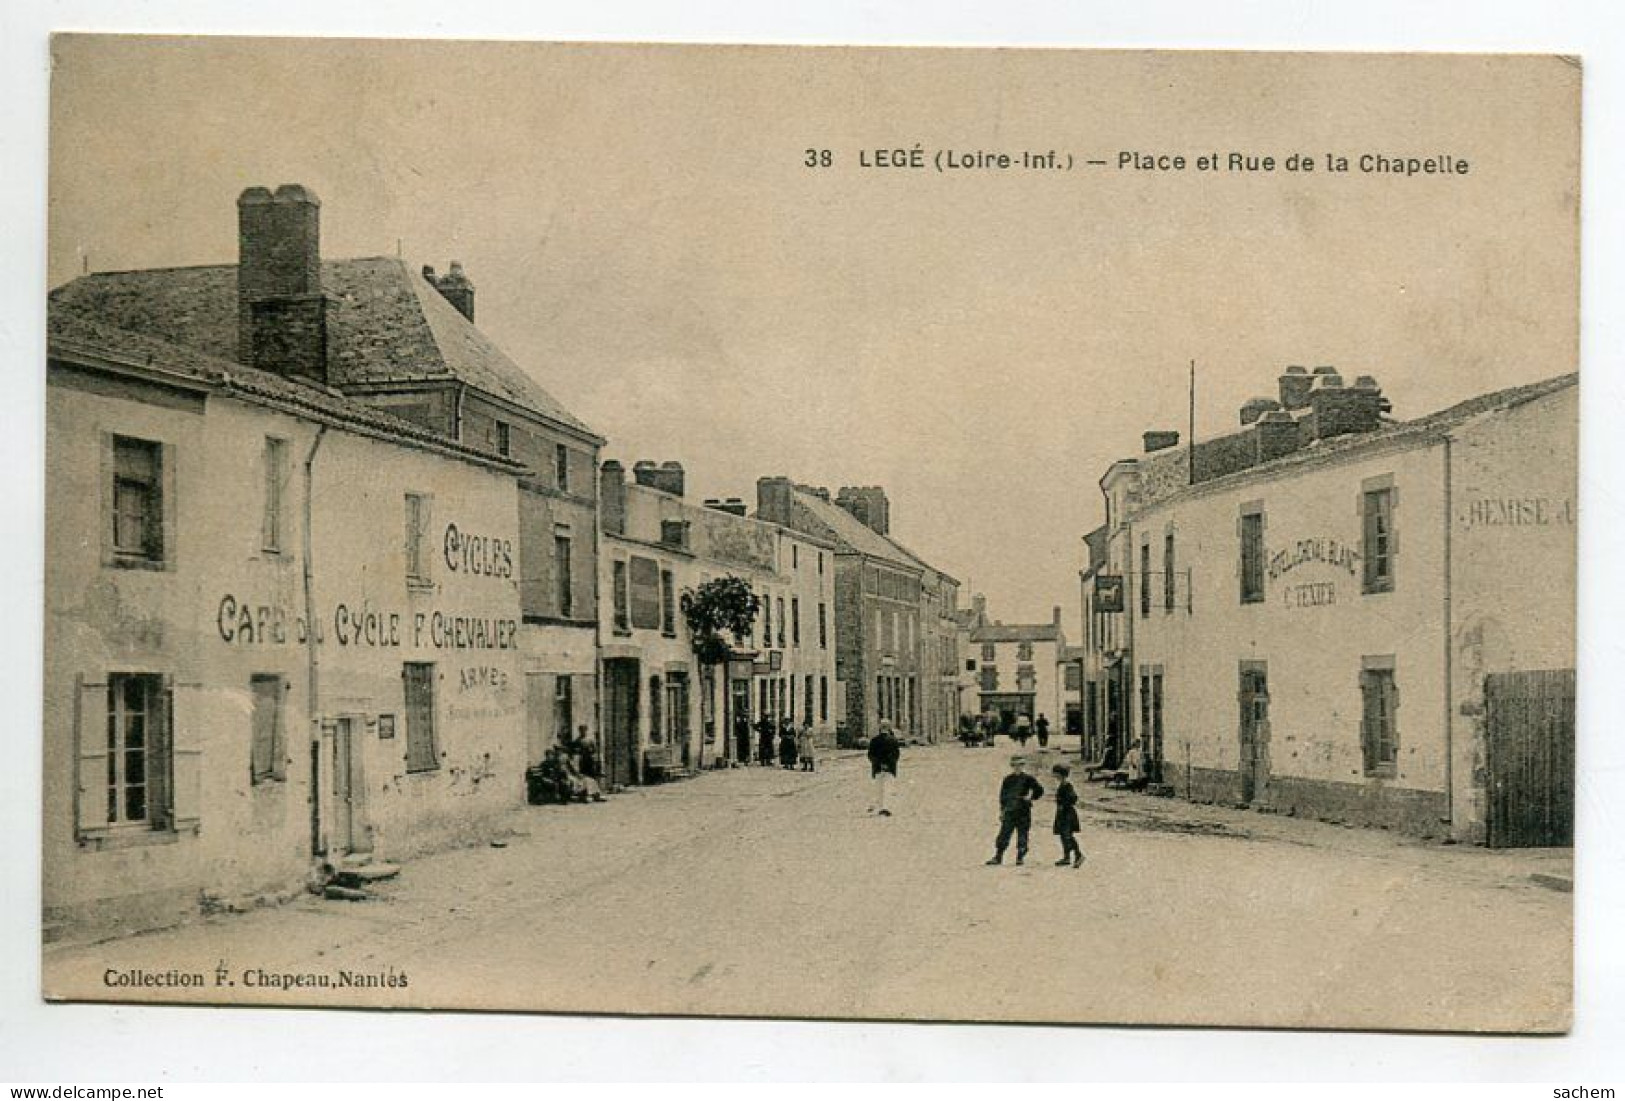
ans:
x=327 y=571
x=1334 y=613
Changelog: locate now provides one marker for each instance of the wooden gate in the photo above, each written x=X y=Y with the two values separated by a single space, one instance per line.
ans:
x=621 y=721
x=1529 y=747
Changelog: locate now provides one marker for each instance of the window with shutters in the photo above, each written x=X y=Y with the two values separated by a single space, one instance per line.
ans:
x=1251 y=532
x=1379 y=729
x=795 y=621
x=268 y=749
x=767 y=622
x=807 y=699
x=823 y=698
x=823 y=626
x=418 y=551
x=781 y=623
x=990 y=679
x=133 y=785
x=503 y=438
x=989 y=651
x=668 y=604
x=276 y=481
x=561 y=468
x=1026 y=678
x=621 y=597
x=1024 y=651
x=563 y=576
x=1377 y=539
x=422 y=744
x=1145 y=579
x=1168 y=571
x=136 y=525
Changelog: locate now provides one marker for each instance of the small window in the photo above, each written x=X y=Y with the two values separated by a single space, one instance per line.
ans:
x=970 y=665
x=563 y=708
x=417 y=538
x=268 y=751
x=1252 y=558
x=622 y=597
x=820 y=563
x=989 y=651
x=1379 y=733
x=823 y=626
x=561 y=468
x=990 y=679
x=795 y=621
x=504 y=439
x=781 y=623
x=276 y=480
x=1377 y=528
x=138 y=513
x=1024 y=651
x=823 y=698
x=795 y=556
x=563 y=576
x=422 y=751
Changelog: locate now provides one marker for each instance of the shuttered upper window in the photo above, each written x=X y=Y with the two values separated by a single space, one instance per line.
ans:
x=417 y=549
x=268 y=749
x=1379 y=727
x=1377 y=539
x=1251 y=531
x=422 y=748
x=137 y=520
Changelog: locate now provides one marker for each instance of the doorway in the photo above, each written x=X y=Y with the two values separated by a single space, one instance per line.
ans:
x=621 y=727
x=1253 y=697
x=348 y=831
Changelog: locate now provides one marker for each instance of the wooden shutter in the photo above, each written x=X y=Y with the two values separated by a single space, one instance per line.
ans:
x=90 y=718
x=1368 y=733
x=182 y=728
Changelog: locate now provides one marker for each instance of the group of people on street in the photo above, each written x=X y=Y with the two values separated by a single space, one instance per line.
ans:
x=569 y=772
x=778 y=743
x=982 y=729
x=1018 y=791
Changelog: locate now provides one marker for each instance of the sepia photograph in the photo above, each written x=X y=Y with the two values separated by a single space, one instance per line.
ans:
x=983 y=535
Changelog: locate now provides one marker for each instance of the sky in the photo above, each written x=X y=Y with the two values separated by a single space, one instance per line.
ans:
x=646 y=239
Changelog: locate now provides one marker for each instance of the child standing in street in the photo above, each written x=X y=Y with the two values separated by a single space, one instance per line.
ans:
x=805 y=748
x=1017 y=792
x=1066 y=818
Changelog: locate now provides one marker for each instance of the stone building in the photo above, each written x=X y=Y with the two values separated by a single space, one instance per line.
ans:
x=665 y=713
x=402 y=340
x=284 y=605
x=897 y=652
x=1018 y=671
x=1337 y=614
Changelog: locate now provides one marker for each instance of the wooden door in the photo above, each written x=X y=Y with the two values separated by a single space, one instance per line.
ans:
x=1254 y=700
x=621 y=727
x=1529 y=748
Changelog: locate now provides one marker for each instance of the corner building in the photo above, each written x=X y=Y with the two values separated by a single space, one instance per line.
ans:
x=1383 y=609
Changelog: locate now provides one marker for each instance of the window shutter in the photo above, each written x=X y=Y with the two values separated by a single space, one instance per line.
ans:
x=1368 y=752
x=90 y=715
x=182 y=726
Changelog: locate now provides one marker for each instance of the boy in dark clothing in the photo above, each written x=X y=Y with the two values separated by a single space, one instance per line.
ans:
x=1066 y=818
x=1016 y=796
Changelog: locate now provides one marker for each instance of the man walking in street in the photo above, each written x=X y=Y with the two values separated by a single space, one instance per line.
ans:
x=1016 y=796
x=1041 y=727
x=884 y=750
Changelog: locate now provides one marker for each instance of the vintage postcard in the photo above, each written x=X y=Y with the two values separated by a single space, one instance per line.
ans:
x=860 y=533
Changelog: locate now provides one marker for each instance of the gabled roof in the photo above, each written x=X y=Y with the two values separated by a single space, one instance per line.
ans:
x=75 y=338
x=855 y=534
x=1017 y=632
x=1430 y=428
x=385 y=324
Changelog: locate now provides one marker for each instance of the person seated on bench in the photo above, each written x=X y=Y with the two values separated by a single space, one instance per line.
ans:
x=1107 y=764
x=1132 y=773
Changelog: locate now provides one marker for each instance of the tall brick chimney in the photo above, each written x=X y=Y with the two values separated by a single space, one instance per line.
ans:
x=773 y=497
x=667 y=477
x=612 y=497
x=868 y=504
x=1295 y=384
x=454 y=287
x=281 y=310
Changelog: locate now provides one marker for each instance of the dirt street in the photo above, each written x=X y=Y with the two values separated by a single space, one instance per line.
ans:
x=763 y=892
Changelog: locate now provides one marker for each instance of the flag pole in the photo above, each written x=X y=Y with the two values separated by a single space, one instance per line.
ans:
x=1190 y=440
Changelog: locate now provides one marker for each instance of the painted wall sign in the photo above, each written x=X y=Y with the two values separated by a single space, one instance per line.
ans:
x=1108 y=592
x=246 y=624
x=1516 y=512
x=1316 y=594
x=479 y=555
x=1331 y=552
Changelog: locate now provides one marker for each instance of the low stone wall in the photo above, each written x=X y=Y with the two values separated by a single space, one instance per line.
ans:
x=1375 y=803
